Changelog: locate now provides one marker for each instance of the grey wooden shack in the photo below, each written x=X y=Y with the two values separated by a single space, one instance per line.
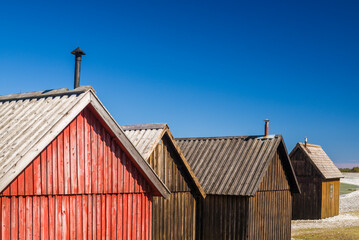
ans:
x=319 y=180
x=173 y=218
x=249 y=182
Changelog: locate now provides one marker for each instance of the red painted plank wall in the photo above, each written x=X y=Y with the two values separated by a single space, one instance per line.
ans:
x=82 y=186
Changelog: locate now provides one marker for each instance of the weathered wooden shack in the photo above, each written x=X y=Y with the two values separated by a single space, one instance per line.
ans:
x=319 y=180
x=173 y=218
x=67 y=170
x=249 y=182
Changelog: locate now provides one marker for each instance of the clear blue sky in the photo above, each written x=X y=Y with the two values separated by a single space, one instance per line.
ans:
x=210 y=68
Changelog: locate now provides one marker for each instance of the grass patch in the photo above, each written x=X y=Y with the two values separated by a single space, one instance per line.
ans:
x=349 y=233
x=347 y=188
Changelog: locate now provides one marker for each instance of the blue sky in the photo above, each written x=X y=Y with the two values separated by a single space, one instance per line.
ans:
x=207 y=68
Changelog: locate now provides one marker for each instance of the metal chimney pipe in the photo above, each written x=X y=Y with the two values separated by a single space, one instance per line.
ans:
x=305 y=141
x=78 y=57
x=266 y=127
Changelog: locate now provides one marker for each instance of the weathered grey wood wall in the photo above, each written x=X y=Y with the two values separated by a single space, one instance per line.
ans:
x=173 y=218
x=308 y=204
x=267 y=215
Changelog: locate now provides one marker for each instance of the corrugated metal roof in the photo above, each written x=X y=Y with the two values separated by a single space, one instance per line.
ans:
x=320 y=160
x=145 y=137
x=30 y=121
x=230 y=165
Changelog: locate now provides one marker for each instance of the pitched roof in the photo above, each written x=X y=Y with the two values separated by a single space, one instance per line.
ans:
x=146 y=137
x=320 y=160
x=30 y=121
x=233 y=165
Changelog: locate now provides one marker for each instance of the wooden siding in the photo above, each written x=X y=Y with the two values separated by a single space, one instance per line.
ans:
x=308 y=204
x=270 y=216
x=166 y=162
x=173 y=218
x=267 y=215
x=270 y=210
x=330 y=205
x=276 y=176
x=82 y=216
x=83 y=185
x=222 y=217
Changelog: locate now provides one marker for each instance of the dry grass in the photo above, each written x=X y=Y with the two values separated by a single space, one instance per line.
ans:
x=348 y=233
x=351 y=233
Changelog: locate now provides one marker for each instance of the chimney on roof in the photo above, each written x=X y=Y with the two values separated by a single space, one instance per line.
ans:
x=266 y=127
x=78 y=56
x=305 y=141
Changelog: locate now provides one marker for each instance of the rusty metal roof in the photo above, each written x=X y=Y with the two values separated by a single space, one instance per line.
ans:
x=30 y=121
x=231 y=165
x=320 y=160
x=145 y=137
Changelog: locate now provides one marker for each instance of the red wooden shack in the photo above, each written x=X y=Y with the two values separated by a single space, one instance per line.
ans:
x=67 y=170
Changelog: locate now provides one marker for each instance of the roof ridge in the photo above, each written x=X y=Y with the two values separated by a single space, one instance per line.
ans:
x=46 y=93
x=144 y=126
x=231 y=137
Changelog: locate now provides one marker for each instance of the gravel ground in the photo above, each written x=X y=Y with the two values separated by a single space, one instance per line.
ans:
x=347 y=203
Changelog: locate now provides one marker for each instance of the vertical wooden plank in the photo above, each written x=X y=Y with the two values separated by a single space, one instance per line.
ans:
x=52 y=217
x=89 y=217
x=5 y=218
x=60 y=158
x=103 y=217
x=72 y=213
x=100 y=203
x=126 y=178
x=129 y=215
x=80 y=153
x=65 y=218
x=133 y=216
x=143 y=216
x=138 y=221
x=119 y=216
x=36 y=217
x=21 y=183
x=79 y=222
x=84 y=216
x=107 y=157
x=114 y=216
x=107 y=198
x=120 y=169
x=55 y=186
x=43 y=177
x=94 y=216
x=73 y=157
x=44 y=218
x=67 y=167
x=13 y=187
x=87 y=139
x=22 y=217
x=49 y=177
x=58 y=217
x=100 y=159
x=125 y=217
x=150 y=216
x=94 y=150
x=37 y=174
x=14 y=219
x=115 y=169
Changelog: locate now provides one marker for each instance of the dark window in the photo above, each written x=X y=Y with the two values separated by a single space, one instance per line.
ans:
x=331 y=190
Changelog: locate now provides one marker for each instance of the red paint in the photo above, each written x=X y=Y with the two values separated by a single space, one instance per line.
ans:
x=82 y=186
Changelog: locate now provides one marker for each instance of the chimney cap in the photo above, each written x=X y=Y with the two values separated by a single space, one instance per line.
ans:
x=266 y=120
x=78 y=51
